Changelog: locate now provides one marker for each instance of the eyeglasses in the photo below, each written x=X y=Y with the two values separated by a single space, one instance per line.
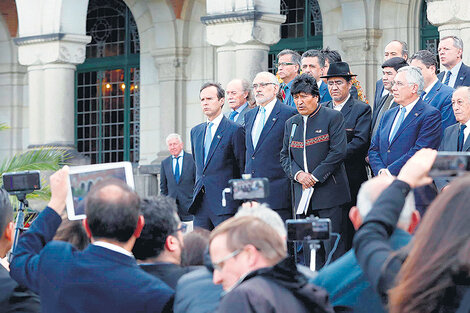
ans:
x=338 y=83
x=399 y=84
x=262 y=85
x=219 y=265
x=284 y=64
x=183 y=228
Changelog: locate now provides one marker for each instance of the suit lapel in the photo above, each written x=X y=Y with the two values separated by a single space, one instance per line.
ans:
x=248 y=129
x=215 y=141
x=433 y=92
x=185 y=165
x=270 y=121
x=460 y=76
x=346 y=109
x=200 y=143
x=415 y=112
x=169 y=168
x=466 y=145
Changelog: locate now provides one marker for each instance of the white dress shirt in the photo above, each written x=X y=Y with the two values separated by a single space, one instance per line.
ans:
x=113 y=247
x=216 y=121
x=269 y=108
x=341 y=105
x=466 y=131
x=455 y=72
x=180 y=161
x=408 y=109
x=239 y=110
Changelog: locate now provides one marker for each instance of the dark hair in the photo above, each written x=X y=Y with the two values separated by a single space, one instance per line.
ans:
x=404 y=47
x=305 y=83
x=72 y=232
x=161 y=221
x=220 y=90
x=331 y=55
x=112 y=217
x=440 y=253
x=426 y=57
x=6 y=211
x=312 y=53
x=295 y=56
x=396 y=63
x=195 y=245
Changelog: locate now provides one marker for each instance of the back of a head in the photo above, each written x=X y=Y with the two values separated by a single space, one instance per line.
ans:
x=440 y=254
x=72 y=232
x=195 y=246
x=6 y=211
x=332 y=56
x=249 y=230
x=161 y=220
x=112 y=210
x=267 y=215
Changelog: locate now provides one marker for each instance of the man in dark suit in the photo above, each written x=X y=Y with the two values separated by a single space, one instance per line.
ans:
x=450 y=53
x=158 y=249
x=218 y=147
x=318 y=147
x=177 y=176
x=264 y=132
x=313 y=64
x=238 y=95
x=406 y=129
x=394 y=48
x=357 y=119
x=13 y=297
x=389 y=71
x=345 y=282
x=105 y=276
x=456 y=136
x=435 y=93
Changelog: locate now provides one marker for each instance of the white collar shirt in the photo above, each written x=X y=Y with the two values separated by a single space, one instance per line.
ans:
x=455 y=72
x=427 y=90
x=408 y=109
x=216 y=121
x=113 y=247
x=341 y=105
x=269 y=108
x=179 y=160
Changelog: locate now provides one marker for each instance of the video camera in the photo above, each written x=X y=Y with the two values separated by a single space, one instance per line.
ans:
x=312 y=228
x=21 y=183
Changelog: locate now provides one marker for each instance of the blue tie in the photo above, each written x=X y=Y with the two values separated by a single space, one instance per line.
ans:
x=461 y=137
x=232 y=115
x=401 y=118
x=207 y=141
x=259 y=129
x=423 y=95
x=446 y=82
x=177 y=169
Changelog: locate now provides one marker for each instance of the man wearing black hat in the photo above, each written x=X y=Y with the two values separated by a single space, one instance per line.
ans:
x=317 y=142
x=357 y=119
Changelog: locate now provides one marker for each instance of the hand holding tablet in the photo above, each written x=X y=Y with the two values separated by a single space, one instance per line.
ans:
x=82 y=178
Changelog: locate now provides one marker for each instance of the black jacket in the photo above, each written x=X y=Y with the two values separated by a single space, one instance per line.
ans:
x=15 y=298
x=169 y=273
x=280 y=288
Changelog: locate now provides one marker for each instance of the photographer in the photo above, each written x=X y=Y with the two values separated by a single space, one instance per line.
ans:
x=433 y=276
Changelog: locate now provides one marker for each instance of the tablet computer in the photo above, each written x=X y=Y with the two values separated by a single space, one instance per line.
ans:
x=82 y=178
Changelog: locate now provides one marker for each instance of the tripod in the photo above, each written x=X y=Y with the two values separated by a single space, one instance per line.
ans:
x=19 y=224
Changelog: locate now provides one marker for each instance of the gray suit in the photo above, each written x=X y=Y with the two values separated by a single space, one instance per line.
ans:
x=240 y=118
x=449 y=143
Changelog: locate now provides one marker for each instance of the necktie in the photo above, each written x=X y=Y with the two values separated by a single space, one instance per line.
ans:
x=446 y=82
x=177 y=169
x=423 y=95
x=461 y=137
x=259 y=129
x=401 y=118
x=207 y=141
x=232 y=115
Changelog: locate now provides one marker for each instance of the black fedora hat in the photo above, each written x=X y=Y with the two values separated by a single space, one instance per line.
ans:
x=339 y=69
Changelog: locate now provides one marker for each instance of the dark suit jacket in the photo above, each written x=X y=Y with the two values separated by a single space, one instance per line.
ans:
x=15 y=298
x=225 y=161
x=422 y=128
x=379 y=89
x=463 y=77
x=449 y=143
x=182 y=191
x=264 y=160
x=94 y=280
x=377 y=108
x=357 y=120
x=326 y=151
x=440 y=97
x=169 y=273
x=324 y=93
x=241 y=116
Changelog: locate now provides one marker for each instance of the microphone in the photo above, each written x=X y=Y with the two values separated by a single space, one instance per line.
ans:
x=292 y=132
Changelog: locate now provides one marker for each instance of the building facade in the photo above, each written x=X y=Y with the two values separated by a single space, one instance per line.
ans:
x=112 y=78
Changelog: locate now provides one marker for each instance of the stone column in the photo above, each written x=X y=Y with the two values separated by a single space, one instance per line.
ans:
x=172 y=80
x=360 y=48
x=452 y=18
x=51 y=61
x=243 y=39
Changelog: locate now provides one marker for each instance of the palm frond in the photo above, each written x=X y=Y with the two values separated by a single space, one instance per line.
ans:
x=44 y=158
x=3 y=126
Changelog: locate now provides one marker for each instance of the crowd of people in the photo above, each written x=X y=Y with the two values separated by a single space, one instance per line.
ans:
x=310 y=132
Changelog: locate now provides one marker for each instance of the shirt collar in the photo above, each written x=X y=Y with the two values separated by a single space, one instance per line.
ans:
x=427 y=90
x=455 y=70
x=343 y=103
x=241 y=108
x=269 y=107
x=319 y=82
x=216 y=121
x=179 y=155
x=410 y=106
x=113 y=247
